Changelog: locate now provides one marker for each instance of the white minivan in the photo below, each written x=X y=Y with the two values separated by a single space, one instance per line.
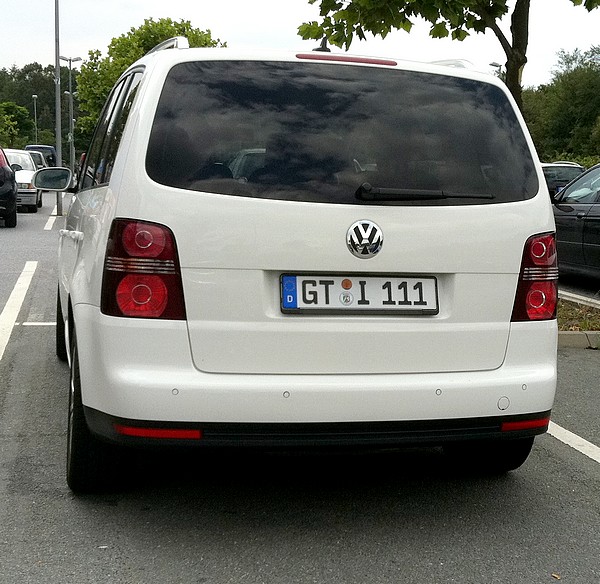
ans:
x=387 y=276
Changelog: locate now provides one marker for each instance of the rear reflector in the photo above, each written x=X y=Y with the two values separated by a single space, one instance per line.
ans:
x=159 y=433
x=524 y=425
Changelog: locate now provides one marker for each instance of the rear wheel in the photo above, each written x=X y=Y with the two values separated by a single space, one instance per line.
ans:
x=89 y=460
x=489 y=456
x=39 y=200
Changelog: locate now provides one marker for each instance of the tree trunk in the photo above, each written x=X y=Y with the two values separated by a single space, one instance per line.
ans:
x=516 y=52
x=516 y=56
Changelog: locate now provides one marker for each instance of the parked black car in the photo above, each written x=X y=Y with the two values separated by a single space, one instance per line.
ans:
x=577 y=216
x=8 y=192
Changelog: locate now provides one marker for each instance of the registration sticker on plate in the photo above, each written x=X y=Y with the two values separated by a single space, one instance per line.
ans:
x=378 y=294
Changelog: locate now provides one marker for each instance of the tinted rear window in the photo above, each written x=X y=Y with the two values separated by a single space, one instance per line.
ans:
x=317 y=132
x=562 y=174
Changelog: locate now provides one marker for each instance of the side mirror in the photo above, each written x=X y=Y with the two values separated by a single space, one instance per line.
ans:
x=53 y=179
x=16 y=167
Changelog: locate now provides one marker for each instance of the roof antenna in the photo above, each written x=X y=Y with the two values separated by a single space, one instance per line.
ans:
x=323 y=48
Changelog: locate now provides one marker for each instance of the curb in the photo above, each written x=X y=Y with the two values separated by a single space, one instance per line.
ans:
x=579 y=340
x=593 y=302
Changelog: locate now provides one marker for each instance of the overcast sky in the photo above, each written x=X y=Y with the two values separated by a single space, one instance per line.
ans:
x=28 y=30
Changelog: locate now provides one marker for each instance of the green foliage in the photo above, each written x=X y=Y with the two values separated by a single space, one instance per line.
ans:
x=99 y=74
x=8 y=130
x=17 y=86
x=564 y=116
x=341 y=20
x=15 y=124
x=585 y=161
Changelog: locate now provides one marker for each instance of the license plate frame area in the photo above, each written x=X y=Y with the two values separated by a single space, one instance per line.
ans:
x=306 y=293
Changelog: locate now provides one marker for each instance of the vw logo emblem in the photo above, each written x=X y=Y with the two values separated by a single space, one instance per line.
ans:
x=364 y=239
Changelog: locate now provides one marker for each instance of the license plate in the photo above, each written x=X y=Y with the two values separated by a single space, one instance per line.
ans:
x=377 y=294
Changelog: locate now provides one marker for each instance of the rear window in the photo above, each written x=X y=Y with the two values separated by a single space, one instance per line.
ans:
x=21 y=158
x=333 y=133
x=562 y=174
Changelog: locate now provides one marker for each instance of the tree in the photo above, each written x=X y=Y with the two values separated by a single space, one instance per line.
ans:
x=18 y=86
x=564 y=116
x=570 y=61
x=15 y=123
x=342 y=20
x=98 y=74
x=8 y=130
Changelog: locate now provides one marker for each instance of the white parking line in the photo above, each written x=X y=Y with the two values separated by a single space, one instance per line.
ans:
x=574 y=441
x=51 y=220
x=13 y=306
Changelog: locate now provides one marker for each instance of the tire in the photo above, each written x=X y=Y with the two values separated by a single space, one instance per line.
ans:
x=39 y=201
x=61 y=340
x=89 y=460
x=10 y=220
x=489 y=456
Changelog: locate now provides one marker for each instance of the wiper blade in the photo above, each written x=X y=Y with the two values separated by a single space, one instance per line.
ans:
x=368 y=192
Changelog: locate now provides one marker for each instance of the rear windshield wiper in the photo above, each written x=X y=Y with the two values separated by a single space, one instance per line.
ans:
x=368 y=192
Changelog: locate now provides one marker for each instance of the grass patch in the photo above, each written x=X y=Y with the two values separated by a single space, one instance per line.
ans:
x=577 y=317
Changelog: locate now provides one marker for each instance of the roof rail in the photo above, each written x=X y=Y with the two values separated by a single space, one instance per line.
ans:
x=458 y=63
x=178 y=42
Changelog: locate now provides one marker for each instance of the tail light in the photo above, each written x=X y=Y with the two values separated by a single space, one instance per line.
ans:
x=537 y=290
x=142 y=277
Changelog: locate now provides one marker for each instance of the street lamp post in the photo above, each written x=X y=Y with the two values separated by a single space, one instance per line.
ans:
x=34 y=97
x=57 y=99
x=71 y=138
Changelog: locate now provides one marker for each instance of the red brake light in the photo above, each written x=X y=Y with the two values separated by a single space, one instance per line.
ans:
x=142 y=277
x=320 y=56
x=537 y=291
x=144 y=239
x=140 y=295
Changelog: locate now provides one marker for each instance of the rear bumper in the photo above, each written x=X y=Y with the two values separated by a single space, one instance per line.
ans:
x=135 y=370
x=27 y=198
x=294 y=435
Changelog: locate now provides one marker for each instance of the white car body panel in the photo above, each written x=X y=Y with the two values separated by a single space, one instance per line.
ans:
x=152 y=377
x=237 y=358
